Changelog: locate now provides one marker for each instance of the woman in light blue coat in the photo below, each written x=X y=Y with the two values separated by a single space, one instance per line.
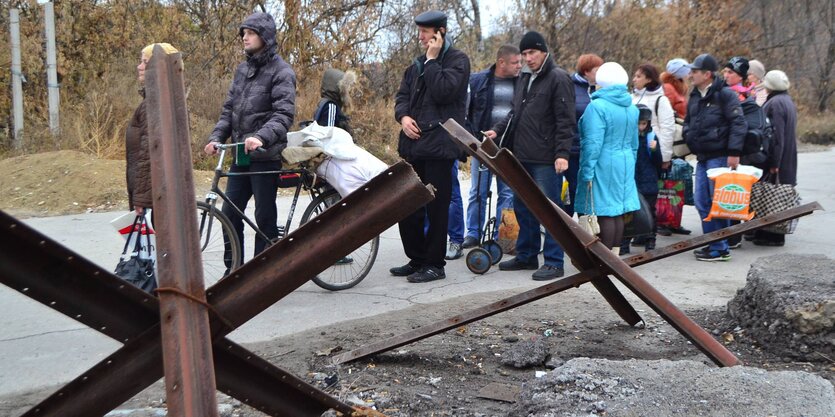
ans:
x=608 y=150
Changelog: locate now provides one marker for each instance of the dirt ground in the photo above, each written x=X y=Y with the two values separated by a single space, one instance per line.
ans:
x=439 y=376
x=67 y=182
x=442 y=375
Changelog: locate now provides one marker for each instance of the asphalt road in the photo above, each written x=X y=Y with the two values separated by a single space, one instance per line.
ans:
x=39 y=347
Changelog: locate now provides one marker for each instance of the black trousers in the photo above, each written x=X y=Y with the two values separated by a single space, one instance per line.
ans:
x=426 y=246
x=264 y=188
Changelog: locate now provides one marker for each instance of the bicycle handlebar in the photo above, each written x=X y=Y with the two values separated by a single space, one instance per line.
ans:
x=223 y=146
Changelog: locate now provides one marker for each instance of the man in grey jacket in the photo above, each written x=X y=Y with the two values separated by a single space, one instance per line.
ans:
x=539 y=131
x=258 y=112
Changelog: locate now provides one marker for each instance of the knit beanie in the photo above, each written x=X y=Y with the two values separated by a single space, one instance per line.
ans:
x=678 y=68
x=738 y=65
x=533 y=40
x=757 y=68
x=611 y=73
x=775 y=80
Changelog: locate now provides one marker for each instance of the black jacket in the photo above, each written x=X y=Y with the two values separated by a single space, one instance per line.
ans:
x=431 y=93
x=261 y=100
x=543 y=120
x=715 y=125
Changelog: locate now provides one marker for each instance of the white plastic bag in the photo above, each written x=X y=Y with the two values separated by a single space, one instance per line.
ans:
x=123 y=225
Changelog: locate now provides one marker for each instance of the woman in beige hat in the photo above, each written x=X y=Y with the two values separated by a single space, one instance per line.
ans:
x=782 y=154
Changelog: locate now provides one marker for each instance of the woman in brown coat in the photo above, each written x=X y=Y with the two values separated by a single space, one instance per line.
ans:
x=138 y=167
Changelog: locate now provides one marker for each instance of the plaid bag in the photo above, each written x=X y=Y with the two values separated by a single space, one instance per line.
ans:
x=772 y=197
x=682 y=170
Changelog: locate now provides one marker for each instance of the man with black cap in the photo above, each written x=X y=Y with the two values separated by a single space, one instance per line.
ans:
x=714 y=130
x=539 y=131
x=433 y=89
x=258 y=112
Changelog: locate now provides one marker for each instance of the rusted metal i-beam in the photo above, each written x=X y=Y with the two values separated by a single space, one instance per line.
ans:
x=283 y=267
x=186 y=341
x=573 y=239
x=564 y=284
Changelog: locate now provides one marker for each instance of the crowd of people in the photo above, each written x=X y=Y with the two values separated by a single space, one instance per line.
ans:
x=610 y=143
x=607 y=141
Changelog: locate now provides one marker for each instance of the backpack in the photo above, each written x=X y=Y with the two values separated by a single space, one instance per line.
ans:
x=760 y=133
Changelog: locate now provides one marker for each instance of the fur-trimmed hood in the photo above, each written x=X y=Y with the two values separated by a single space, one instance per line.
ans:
x=337 y=85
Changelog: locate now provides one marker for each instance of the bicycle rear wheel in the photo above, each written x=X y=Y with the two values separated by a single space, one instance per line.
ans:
x=350 y=270
x=216 y=235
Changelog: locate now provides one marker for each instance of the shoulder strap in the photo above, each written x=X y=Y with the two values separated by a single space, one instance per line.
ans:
x=656 y=106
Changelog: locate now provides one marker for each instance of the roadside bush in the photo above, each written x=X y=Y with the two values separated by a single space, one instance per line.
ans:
x=816 y=128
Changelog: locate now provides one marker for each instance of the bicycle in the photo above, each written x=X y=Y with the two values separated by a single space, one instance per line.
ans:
x=222 y=251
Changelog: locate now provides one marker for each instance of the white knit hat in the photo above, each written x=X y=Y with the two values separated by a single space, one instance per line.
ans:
x=775 y=80
x=611 y=73
x=757 y=68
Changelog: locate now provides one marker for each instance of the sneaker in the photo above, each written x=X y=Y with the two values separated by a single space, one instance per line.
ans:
x=517 y=265
x=469 y=242
x=734 y=245
x=427 y=274
x=713 y=255
x=404 y=271
x=454 y=251
x=547 y=272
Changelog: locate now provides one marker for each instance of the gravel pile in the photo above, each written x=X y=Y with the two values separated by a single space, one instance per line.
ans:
x=584 y=387
x=788 y=305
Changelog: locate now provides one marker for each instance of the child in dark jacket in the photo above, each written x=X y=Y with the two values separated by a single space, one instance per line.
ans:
x=647 y=167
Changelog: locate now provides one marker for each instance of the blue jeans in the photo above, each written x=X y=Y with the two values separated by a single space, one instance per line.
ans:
x=455 y=229
x=527 y=245
x=704 y=199
x=476 y=209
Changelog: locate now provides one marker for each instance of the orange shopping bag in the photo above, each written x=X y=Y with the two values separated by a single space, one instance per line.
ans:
x=732 y=192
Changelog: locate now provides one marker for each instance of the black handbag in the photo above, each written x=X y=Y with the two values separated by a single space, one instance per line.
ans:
x=638 y=223
x=135 y=269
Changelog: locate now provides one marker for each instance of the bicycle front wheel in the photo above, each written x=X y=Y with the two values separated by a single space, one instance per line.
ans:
x=219 y=244
x=350 y=270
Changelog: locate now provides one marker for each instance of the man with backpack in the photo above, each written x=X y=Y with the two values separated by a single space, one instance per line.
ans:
x=714 y=130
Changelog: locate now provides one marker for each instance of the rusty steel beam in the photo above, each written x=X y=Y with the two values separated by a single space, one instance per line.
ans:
x=186 y=339
x=470 y=316
x=568 y=234
x=566 y=283
x=285 y=266
x=365 y=213
x=698 y=241
x=47 y=272
x=573 y=239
